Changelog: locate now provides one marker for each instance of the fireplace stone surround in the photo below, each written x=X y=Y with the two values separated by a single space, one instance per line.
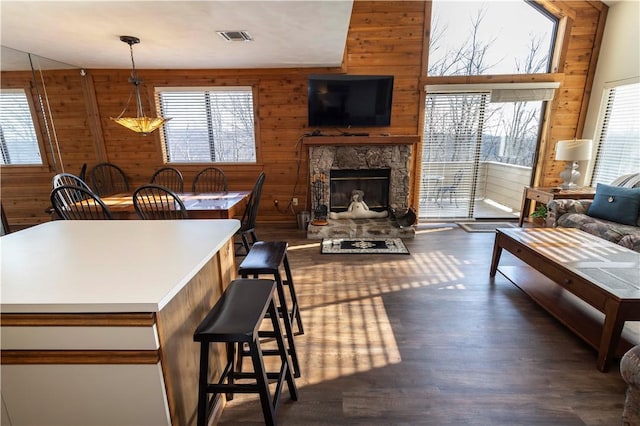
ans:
x=327 y=153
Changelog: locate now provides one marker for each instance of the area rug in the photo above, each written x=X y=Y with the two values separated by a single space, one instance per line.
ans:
x=484 y=226
x=363 y=246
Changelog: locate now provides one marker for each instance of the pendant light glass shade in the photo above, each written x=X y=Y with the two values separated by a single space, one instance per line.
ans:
x=143 y=125
x=140 y=123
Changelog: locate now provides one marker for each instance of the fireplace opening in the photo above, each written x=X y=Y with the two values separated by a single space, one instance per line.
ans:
x=373 y=182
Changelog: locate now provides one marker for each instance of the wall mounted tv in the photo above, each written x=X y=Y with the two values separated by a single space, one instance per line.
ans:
x=350 y=100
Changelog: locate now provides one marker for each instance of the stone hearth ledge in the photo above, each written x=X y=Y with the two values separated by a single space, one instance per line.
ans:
x=360 y=228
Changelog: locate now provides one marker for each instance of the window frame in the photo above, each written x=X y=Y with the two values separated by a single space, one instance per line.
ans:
x=557 y=48
x=256 y=131
x=40 y=139
x=600 y=125
x=539 y=92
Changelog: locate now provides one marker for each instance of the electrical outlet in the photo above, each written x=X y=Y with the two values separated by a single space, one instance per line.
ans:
x=294 y=201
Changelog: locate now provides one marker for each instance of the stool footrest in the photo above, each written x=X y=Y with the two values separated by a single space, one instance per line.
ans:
x=241 y=376
x=234 y=388
x=265 y=352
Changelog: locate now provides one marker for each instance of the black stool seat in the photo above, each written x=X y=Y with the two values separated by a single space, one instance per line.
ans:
x=266 y=257
x=238 y=313
x=235 y=320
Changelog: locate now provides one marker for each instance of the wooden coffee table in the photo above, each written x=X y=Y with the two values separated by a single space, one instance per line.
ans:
x=598 y=272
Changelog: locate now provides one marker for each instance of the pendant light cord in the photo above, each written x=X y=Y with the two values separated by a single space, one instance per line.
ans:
x=48 y=122
x=136 y=82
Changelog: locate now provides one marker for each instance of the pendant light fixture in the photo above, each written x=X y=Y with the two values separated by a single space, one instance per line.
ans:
x=141 y=123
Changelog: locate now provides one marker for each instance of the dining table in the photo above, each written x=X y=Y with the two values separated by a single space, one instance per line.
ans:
x=203 y=205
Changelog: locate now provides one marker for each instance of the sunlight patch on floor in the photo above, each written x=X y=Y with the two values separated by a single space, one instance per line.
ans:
x=420 y=230
x=455 y=287
x=361 y=340
x=304 y=246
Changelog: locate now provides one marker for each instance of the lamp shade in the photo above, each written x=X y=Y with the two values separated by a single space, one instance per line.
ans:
x=573 y=150
x=144 y=125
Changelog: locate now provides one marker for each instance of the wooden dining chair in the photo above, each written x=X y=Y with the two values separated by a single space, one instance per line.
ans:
x=169 y=177
x=247 y=231
x=69 y=179
x=5 y=223
x=156 y=202
x=211 y=179
x=108 y=179
x=83 y=172
x=73 y=202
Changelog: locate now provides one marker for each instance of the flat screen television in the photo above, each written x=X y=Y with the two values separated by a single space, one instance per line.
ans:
x=350 y=100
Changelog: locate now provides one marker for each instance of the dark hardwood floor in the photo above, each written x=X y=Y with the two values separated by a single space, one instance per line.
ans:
x=429 y=339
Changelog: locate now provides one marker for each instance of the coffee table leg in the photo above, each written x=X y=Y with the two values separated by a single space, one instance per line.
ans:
x=611 y=331
x=497 y=251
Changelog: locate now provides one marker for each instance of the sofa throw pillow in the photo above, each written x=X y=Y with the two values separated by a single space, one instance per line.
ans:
x=616 y=204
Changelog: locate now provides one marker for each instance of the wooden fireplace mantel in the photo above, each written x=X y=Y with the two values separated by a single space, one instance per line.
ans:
x=360 y=140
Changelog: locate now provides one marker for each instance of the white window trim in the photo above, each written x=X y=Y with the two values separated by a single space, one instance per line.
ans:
x=604 y=99
x=216 y=88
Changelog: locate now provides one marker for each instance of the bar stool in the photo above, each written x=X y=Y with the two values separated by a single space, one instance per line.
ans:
x=266 y=257
x=236 y=319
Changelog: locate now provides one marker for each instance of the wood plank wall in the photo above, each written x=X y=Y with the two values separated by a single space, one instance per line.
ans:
x=385 y=37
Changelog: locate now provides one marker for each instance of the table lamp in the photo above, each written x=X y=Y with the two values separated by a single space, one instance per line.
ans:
x=572 y=151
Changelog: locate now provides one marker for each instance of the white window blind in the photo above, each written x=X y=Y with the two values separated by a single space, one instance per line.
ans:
x=212 y=124
x=619 y=134
x=18 y=141
x=453 y=125
x=452 y=140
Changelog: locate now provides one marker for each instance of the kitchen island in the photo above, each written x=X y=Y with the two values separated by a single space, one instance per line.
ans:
x=98 y=319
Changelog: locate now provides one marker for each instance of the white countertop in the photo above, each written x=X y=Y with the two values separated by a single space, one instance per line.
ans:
x=105 y=266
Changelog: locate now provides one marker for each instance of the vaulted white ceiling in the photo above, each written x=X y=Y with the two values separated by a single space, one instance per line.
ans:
x=175 y=34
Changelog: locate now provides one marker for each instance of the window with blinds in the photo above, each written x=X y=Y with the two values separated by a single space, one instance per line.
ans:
x=208 y=125
x=618 y=136
x=18 y=140
x=451 y=148
x=480 y=142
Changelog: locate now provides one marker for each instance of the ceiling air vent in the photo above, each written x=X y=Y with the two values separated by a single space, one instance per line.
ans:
x=235 y=35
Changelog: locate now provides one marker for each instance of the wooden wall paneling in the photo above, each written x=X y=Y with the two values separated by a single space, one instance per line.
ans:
x=591 y=70
x=568 y=114
x=68 y=121
x=283 y=121
x=557 y=8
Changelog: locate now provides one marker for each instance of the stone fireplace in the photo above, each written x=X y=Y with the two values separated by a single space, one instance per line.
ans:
x=377 y=165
